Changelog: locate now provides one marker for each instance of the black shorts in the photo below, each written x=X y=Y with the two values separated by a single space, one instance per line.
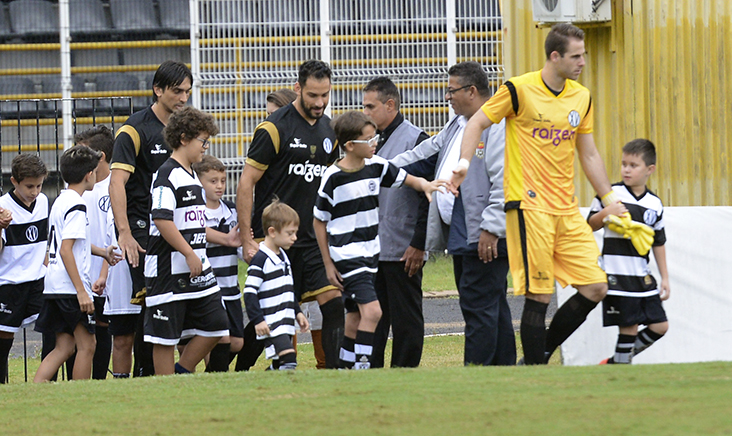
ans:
x=358 y=289
x=308 y=273
x=20 y=304
x=166 y=324
x=236 y=317
x=99 y=310
x=629 y=311
x=120 y=325
x=273 y=346
x=62 y=315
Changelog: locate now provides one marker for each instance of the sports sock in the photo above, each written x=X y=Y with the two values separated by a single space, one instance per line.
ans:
x=218 y=360
x=363 y=348
x=567 y=319
x=645 y=339
x=288 y=362
x=100 y=362
x=180 y=370
x=347 y=355
x=121 y=374
x=533 y=331
x=332 y=332
x=624 y=349
x=142 y=351
x=5 y=345
x=250 y=351
x=318 y=348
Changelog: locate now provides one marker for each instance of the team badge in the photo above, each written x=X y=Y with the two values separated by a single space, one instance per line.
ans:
x=104 y=203
x=531 y=193
x=573 y=118
x=647 y=280
x=612 y=280
x=480 y=151
x=327 y=145
x=182 y=283
x=141 y=224
x=31 y=233
x=649 y=217
x=313 y=149
x=372 y=186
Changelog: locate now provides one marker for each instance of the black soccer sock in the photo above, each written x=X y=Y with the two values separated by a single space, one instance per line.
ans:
x=623 y=349
x=533 y=331
x=250 y=351
x=347 y=355
x=48 y=343
x=179 y=369
x=363 y=348
x=218 y=360
x=5 y=345
x=288 y=362
x=143 y=351
x=567 y=319
x=332 y=332
x=100 y=362
x=645 y=339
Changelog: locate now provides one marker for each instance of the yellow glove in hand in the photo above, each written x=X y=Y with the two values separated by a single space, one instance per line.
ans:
x=618 y=224
x=641 y=236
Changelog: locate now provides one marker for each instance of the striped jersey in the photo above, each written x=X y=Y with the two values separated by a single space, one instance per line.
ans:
x=269 y=293
x=68 y=220
x=97 y=205
x=628 y=274
x=348 y=201
x=541 y=136
x=177 y=195
x=224 y=260
x=24 y=241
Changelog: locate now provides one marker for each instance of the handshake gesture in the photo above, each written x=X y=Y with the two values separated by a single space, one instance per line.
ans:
x=639 y=234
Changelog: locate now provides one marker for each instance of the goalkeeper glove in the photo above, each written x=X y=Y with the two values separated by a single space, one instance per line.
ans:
x=640 y=235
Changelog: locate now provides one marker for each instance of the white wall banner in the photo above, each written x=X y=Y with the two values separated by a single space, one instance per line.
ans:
x=700 y=308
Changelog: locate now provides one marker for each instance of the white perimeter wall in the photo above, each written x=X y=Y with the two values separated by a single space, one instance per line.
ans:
x=699 y=240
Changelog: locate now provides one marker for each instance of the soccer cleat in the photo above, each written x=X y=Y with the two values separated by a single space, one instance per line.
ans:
x=607 y=361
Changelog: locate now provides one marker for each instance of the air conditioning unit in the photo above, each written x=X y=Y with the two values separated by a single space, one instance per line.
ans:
x=572 y=11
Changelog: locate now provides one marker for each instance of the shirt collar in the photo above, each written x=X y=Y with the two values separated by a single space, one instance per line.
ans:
x=384 y=135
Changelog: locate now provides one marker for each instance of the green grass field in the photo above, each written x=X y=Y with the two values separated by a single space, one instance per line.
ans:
x=442 y=397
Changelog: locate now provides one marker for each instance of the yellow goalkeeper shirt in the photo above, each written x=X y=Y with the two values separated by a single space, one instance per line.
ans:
x=541 y=135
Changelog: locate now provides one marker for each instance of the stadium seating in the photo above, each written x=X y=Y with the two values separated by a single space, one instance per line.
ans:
x=131 y=16
x=33 y=18
x=52 y=85
x=5 y=30
x=10 y=85
x=119 y=82
x=87 y=16
x=175 y=16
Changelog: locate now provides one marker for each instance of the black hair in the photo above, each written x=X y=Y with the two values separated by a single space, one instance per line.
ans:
x=471 y=73
x=386 y=90
x=99 y=138
x=313 y=68
x=77 y=162
x=187 y=123
x=170 y=74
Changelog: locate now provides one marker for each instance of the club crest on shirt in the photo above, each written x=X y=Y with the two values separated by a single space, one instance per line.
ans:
x=327 y=145
x=104 y=203
x=573 y=118
x=313 y=149
x=31 y=233
x=372 y=186
x=649 y=217
x=480 y=151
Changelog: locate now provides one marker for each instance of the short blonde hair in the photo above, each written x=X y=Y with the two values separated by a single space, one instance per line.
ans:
x=277 y=214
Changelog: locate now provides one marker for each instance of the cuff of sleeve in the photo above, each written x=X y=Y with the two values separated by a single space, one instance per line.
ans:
x=610 y=198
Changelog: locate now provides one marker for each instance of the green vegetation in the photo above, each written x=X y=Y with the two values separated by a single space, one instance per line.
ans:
x=440 y=398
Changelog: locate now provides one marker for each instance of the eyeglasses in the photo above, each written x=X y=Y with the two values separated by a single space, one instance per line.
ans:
x=204 y=142
x=450 y=92
x=372 y=141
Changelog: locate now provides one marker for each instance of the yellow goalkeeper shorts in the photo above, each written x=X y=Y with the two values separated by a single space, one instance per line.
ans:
x=543 y=248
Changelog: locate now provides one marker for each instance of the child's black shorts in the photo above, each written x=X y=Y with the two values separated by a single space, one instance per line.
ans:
x=167 y=323
x=629 y=311
x=308 y=272
x=358 y=289
x=235 y=314
x=62 y=315
x=124 y=324
x=274 y=345
x=20 y=304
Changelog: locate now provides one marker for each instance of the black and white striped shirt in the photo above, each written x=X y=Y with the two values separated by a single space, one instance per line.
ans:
x=628 y=274
x=24 y=241
x=269 y=294
x=177 y=195
x=224 y=260
x=348 y=201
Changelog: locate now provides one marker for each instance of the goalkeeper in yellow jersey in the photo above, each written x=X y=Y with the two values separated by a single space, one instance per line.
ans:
x=632 y=228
